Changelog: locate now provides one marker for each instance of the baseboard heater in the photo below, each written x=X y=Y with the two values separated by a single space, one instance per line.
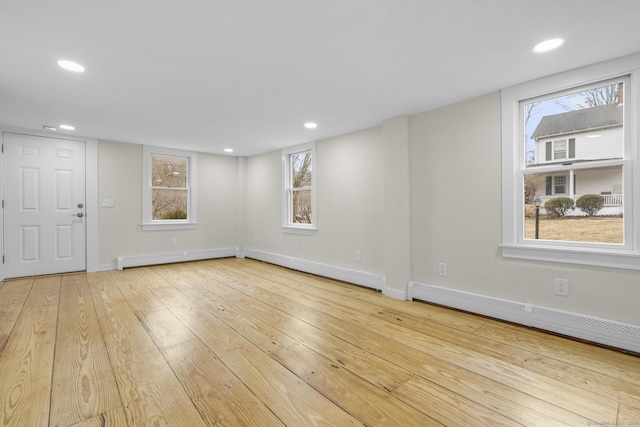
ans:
x=369 y=280
x=167 y=258
x=603 y=331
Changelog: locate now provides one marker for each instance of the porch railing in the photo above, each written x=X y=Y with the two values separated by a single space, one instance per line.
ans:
x=612 y=199
x=609 y=199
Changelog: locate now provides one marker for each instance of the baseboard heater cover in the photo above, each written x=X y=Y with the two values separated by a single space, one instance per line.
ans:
x=602 y=331
x=167 y=258
x=348 y=275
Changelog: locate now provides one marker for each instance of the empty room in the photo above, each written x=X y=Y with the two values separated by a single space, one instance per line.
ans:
x=329 y=213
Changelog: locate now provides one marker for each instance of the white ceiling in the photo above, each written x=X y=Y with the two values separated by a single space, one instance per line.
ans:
x=247 y=74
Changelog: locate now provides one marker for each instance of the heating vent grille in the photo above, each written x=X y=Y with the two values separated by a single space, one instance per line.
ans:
x=587 y=321
x=595 y=329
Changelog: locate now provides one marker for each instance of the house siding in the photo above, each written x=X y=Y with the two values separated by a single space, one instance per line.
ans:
x=607 y=146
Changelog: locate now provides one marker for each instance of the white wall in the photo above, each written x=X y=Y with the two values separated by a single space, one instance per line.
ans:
x=349 y=199
x=456 y=219
x=120 y=179
x=455 y=213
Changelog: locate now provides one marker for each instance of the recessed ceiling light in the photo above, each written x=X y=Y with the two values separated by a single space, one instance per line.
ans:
x=67 y=127
x=51 y=128
x=71 y=66
x=310 y=125
x=228 y=150
x=548 y=45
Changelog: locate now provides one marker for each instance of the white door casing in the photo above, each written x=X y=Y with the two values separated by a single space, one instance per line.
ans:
x=44 y=205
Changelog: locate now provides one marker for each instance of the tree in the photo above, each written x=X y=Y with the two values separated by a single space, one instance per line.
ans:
x=301 y=168
x=530 y=147
x=169 y=187
x=604 y=95
x=590 y=98
x=531 y=184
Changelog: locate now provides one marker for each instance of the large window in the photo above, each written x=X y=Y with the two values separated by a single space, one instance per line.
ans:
x=169 y=188
x=570 y=147
x=298 y=205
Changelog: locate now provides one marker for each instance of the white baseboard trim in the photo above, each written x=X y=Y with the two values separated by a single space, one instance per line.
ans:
x=603 y=331
x=394 y=293
x=153 y=259
x=102 y=267
x=361 y=278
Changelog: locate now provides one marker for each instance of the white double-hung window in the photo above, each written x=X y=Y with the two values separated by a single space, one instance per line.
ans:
x=570 y=167
x=169 y=188
x=299 y=189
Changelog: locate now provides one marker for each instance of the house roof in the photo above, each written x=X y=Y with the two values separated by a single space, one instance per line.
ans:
x=579 y=120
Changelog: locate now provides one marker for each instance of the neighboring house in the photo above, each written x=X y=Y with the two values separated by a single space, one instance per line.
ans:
x=575 y=141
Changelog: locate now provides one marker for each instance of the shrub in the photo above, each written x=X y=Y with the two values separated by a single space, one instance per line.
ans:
x=175 y=214
x=590 y=203
x=559 y=206
x=529 y=211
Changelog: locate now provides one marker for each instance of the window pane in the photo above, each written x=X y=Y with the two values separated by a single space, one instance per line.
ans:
x=586 y=125
x=560 y=149
x=301 y=168
x=169 y=204
x=301 y=207
x=559 y=184
x=169 y=171
x=592 y=213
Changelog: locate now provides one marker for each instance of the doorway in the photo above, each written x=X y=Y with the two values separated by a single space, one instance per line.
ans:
x=44 y=205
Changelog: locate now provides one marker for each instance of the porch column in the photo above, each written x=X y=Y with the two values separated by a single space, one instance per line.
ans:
x=571 y=184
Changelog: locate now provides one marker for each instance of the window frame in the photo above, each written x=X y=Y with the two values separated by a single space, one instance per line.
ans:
x=287 y=225
x=514 y=245
x=148 y=223
x=565 y=154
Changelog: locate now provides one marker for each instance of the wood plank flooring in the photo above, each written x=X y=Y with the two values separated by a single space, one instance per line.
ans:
x=235 y=342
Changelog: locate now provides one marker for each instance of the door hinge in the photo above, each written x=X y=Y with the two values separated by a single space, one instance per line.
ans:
x=3 y=259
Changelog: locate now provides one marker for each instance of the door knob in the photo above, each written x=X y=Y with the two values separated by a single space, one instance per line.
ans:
x=79 y=214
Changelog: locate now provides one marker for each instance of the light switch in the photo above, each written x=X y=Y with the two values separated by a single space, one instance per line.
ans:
x=106 y=203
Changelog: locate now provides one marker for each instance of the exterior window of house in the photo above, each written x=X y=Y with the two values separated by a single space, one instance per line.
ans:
x=168 y=189
x=559 y=184
x=298 y=208
x=560 y=149
x=569 y=144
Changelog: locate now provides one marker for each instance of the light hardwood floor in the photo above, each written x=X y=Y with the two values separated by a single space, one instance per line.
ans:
x=236 y=342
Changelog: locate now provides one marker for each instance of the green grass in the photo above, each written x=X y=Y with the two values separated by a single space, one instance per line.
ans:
x=585 y=229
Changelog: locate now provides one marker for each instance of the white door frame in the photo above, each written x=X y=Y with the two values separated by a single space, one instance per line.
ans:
x=91 y=189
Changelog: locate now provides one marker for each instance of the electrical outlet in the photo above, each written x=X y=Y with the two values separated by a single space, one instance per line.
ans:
x=562 y=287
x=295 y=246
x=442 y=269
x=358 y=256
x=174 y=243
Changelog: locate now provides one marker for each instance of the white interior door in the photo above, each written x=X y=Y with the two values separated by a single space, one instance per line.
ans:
x=44 y=199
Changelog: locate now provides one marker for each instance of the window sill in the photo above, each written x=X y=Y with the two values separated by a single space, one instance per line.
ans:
x=584 y=256
x=309 y=231
x=169 y=226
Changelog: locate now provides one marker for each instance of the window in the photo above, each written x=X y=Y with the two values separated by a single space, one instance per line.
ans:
x=298 y=205
x=560 y=149
x=566 y=136
x=169 y=189
x=559 y=182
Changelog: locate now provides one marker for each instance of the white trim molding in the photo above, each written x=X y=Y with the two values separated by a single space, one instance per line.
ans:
x=595 y=329
x=514 y=245
x=166 y=258
x=362 y=278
